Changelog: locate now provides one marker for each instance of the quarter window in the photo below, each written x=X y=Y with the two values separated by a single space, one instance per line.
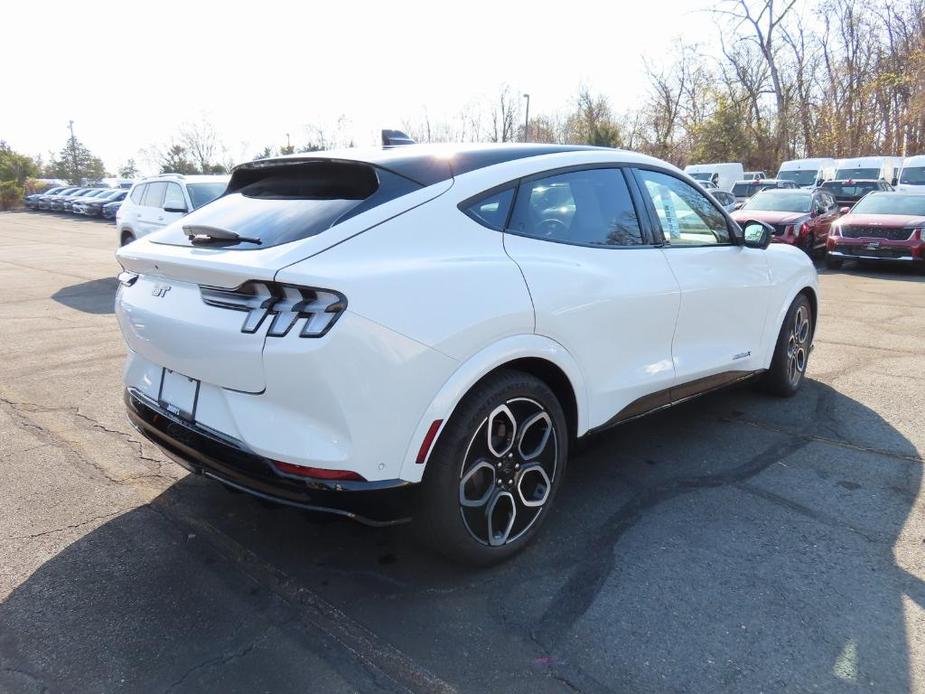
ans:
x=588 y=208
x=492 y=211
x=686 y=216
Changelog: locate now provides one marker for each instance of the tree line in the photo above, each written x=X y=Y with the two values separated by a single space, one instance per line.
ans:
x=791 y=79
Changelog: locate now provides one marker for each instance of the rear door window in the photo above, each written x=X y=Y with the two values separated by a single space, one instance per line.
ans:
x=491 y=210
x=586 y=208
x=154 y=195
x=138 y=194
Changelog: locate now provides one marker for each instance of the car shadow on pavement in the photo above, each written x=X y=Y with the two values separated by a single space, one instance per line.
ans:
x=736 y=543
x=93 y=296
x=881 y=271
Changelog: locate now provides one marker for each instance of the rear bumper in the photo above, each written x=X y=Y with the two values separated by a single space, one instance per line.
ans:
x=383 y=502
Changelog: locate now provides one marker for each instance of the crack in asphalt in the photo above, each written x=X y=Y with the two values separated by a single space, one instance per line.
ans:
x=224 y=659
x=63 y=528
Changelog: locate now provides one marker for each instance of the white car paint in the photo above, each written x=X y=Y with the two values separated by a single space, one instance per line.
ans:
x=724 y=175
x=913 y=169
x=808 y=173
x=437 y=300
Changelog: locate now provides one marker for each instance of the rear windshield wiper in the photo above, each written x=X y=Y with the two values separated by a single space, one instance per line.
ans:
x=198 y=233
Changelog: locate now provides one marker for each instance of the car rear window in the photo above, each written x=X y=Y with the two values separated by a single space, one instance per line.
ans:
x=287 y=202
x=745 y=190
x=850 y=190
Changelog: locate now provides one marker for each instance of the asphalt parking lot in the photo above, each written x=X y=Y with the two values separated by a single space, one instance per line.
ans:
x=735 y=543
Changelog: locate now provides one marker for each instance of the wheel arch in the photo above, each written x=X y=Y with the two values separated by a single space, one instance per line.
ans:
x=534 y=354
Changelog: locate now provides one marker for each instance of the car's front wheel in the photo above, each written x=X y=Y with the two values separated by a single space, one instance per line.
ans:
x=791 y=354
x=495 y=470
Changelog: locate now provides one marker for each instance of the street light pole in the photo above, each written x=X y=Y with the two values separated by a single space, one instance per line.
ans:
x=527 y=120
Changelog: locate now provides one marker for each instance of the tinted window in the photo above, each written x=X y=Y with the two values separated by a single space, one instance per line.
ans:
x=138 y=193
x=780 y=201
x=173 y=198
x=590 y=207
x=723 y=198
x=201 y=193
x=686 y=217
x=154 y=195
x=492 y=211
x=745 y=190
x=850 y=190
x=288 y=202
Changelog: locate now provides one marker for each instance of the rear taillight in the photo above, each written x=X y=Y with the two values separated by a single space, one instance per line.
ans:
x=317 y=472
x=286 y=303
x=804 y=229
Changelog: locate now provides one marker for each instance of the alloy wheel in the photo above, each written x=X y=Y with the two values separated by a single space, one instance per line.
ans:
x=508 y=471
x=797 y=345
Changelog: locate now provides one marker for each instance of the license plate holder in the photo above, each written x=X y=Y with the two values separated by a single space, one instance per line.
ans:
x=178 y=394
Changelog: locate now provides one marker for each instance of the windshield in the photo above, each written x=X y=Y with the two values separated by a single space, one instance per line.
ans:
x=913 y=175
x=846 y=174
x=705 y=176
x=201 y=193
x=850 y=190
x=804 y=177
x=780 y=202
x=891 y=203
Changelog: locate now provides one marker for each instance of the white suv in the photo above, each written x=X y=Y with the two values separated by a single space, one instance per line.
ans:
x=156 y=202
x=421 y=332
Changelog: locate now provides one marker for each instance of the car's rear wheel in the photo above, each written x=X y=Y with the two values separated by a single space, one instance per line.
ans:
x=791 y=354
x=495 y=470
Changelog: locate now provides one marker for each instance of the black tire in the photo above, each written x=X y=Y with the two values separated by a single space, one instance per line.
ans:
x=833 y=263
x=457 y=472
x=791 y=354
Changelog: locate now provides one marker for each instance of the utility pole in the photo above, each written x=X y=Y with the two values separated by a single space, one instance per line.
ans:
x=288 y=144
x=527 y=120
x=72 y=146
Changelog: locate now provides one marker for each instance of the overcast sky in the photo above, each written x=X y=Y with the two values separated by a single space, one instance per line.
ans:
x=129 y=74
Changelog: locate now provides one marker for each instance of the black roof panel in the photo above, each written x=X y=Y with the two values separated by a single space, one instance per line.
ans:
x=429 y=164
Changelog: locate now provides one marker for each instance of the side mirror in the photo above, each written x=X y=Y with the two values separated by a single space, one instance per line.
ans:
x=756 y=234
x=844 y=210
x=894 y=181
x=171 y=207
x=819 y=182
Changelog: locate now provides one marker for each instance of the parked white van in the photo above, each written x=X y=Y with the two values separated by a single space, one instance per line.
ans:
x=808 y=173
x=870 y=168
x=724 y=175
x=912 y=176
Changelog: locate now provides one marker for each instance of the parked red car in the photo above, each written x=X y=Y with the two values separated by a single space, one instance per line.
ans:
x=882 y=226
x=801 y=218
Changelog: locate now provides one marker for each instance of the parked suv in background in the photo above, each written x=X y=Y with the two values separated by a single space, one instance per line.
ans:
x=800 y=217
x=882 y=227
x=156 y=202
x=93 y=206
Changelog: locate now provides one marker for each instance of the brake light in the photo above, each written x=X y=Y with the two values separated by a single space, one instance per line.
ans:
x=804 y=229
x=285 y=302
x=317 y=472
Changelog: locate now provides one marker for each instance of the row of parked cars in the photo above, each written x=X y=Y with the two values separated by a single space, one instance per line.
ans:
x=148 y=205
x=867 y=208
x=89 y=201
